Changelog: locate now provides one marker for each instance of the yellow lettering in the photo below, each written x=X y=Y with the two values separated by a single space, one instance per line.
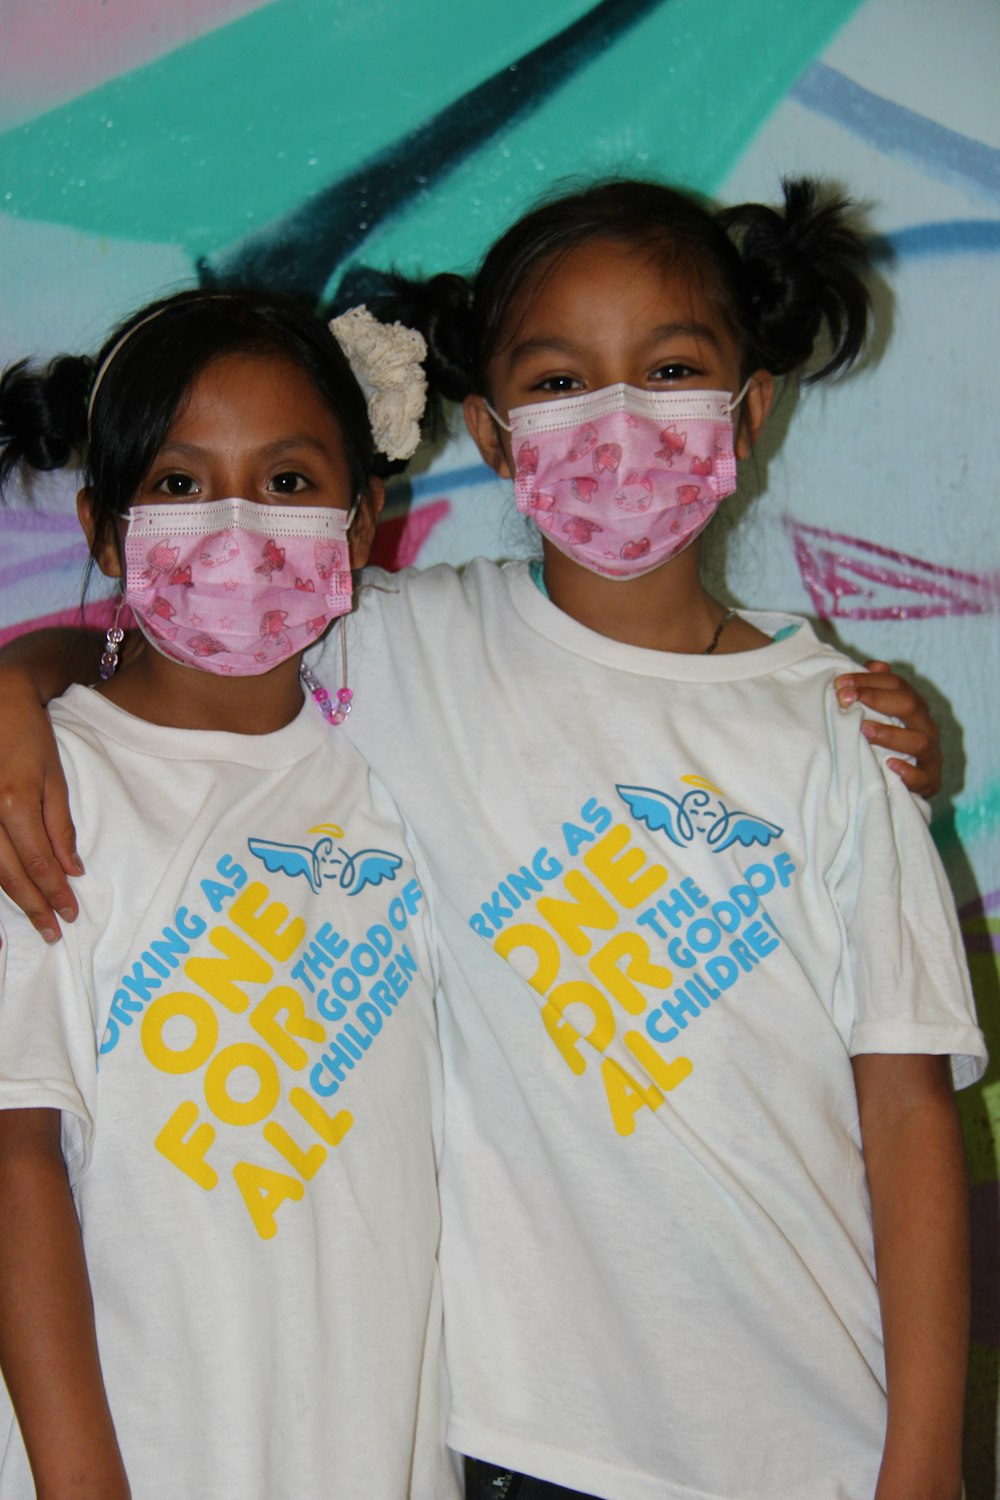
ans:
x=264 y=923
x=564 y=1034
x=639 y=970
x=241 y=1111
x=188 y=1151
x=667 y=1074
x=264 y=1019
x=217 y=976
x=330 y=1128
x=588 y=909
x=206 y=1032
x=306 y=1163
x=264 y=1192
x=626 y=1096
x=620 y=875
x=543 y=945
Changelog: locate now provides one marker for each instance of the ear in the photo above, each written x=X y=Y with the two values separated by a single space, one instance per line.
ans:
x=755 y=407
x=487 y=436
x=364 y=524
x=106 y=552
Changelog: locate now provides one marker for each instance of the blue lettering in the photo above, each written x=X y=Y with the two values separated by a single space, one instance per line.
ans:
x=592 y=812
x=574 y=836
x=170 y=948
x=328 y=1007
x=761 y=941
x=217 y=895
x=369 y=1017
x=231 y=871
x=524 y=883
x=704 y=935
x=140 y=983
x=190 y=925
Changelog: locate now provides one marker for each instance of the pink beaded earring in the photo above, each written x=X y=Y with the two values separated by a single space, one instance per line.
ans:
x=334 y=710
x=112 y=643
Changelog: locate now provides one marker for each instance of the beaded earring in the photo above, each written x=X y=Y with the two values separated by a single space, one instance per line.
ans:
x=334 y=710
x=112 y=643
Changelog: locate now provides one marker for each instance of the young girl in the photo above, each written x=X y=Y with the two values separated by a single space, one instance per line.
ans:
x=220 y=1096
x=677 y=896
x=701 y=967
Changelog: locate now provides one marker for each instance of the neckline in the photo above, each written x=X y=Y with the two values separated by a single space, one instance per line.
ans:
x=533 y=605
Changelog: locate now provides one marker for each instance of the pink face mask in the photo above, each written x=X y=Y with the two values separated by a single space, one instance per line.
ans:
x=622 y=479
x=234 y=587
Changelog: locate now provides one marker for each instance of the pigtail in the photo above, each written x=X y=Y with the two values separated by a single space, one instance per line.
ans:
x=43 y=415
x=805 y=271
x=441 y=308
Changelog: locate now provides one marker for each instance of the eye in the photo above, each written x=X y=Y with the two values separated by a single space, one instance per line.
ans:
x=289 y=482
x=674 y=370
x=177 y=486
x=558 y=385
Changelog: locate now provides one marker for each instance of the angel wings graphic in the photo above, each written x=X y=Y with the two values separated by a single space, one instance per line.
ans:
x=327 y=860
x=699 y=813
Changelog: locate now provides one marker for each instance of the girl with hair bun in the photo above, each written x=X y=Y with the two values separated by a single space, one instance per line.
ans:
x=701 y=976
x=702 y=972
x=220 y=1095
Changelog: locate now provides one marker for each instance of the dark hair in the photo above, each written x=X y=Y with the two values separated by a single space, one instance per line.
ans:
x=155 y=356
x=779 y=277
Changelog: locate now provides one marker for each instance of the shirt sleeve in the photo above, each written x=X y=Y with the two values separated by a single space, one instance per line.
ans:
x=911 y=984
x=48 y=1044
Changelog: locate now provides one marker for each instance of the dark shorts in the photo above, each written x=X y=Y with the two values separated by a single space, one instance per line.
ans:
x=491 y=1483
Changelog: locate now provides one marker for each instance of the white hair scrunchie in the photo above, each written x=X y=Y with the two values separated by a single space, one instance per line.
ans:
x=387 y=361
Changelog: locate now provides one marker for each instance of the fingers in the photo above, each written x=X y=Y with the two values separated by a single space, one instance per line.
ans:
x=883 y=690
x=37 y=851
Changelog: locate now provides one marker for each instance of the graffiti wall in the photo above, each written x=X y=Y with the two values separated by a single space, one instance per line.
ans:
x=146 y=147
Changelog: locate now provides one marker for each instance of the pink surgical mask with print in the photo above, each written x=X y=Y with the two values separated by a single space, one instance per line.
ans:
x=622 y=479
x=234 y=587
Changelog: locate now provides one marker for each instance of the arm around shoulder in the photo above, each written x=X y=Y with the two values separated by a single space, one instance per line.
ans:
x=37 y=837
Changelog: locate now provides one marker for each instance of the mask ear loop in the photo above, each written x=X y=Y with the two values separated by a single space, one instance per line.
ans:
x=734 y=403
x=498 y=419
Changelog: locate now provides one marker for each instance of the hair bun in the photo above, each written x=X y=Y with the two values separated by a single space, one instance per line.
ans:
x=43 y=414
x=805 y=268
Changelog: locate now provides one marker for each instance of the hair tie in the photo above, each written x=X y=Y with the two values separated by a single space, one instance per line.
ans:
x=387 y=362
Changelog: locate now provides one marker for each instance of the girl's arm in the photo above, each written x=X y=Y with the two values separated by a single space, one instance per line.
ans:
x=48 y=1344
x=37 y=837
x=916 y=1176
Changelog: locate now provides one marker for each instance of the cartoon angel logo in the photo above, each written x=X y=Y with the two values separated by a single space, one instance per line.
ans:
x=327 y=860
x=700 y=813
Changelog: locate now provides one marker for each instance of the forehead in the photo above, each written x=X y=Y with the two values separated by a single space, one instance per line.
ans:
x=605 y=287
x=253 y=393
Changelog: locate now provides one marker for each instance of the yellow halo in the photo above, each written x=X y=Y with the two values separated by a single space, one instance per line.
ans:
x=703 y=783
x=331 y=828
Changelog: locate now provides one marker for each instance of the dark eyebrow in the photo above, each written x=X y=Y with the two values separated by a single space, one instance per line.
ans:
x=273 y=450
x=552 y=344
x=544 y=344
x=692 y=330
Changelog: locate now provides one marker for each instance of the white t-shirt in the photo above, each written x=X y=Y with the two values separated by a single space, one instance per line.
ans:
x=239 y=1031
x=675 y=894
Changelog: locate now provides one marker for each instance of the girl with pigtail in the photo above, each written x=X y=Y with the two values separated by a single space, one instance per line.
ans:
x=702 y=1188
x=218 y=1190
x=700 y=970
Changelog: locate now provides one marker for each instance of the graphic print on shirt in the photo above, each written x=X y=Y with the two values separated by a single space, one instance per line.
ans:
x=627 y=950
x=263 y=1015
x=327 y=861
